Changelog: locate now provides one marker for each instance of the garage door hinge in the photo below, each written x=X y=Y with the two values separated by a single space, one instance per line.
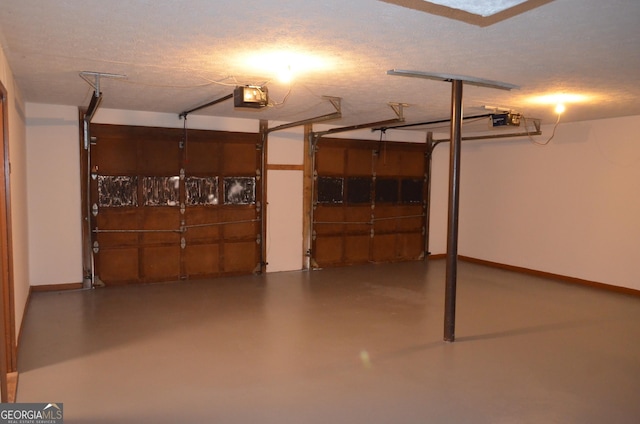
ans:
x=96 y=247
x=94 y=209
x=183 y=243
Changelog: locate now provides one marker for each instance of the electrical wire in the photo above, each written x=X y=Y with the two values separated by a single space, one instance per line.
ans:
x=542 y=143
x=284 y=100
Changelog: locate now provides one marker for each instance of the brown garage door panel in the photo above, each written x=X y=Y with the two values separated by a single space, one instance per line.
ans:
x=121 y=220
x=162 y=224
x=202 y=224
x=150 y=228
x=357 y=249
x=330 y=160
x=240 y=158
x=389 y=163
x=161 y=263
x=410 y=246
x=240 y=223
x=358 y=214
x=329 y=213
x=360 y=162
x=118 y=265
x=384 y=248
x=402 y=162
x=385 y=219
x=203 y=157
x=159 y=157
x=398 y=247
x=241 y=257
x=338 y=220
x=398 y=219
x=113 y=156
x=413 y=219
x=329 y=250
x=202 y=260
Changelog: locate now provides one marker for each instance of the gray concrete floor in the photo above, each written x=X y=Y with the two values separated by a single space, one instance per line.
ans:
x=348 y=345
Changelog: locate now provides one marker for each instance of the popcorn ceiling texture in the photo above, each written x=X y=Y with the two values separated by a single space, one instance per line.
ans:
x=178 y=54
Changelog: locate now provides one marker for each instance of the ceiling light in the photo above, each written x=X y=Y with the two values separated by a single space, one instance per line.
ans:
x=555 y=98
x=560 y=100
x=285 y=75
x=284 y=65
x=483 y=8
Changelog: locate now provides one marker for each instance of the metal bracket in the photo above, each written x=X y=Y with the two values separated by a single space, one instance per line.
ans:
x=536 y=123
x=96 y=247
x=335 y=101
x=94 y=209
x=85 y=75
x=183 y=243
x=398 y=108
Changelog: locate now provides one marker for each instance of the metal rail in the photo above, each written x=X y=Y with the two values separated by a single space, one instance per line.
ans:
x=182 y=229
x=372 y=221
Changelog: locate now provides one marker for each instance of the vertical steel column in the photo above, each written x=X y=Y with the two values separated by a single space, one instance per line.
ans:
x=454 y=209
x=263 y=145
x=427 y=219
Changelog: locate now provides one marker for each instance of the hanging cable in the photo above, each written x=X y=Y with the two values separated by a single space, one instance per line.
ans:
x=542 y=143
x=384 y=146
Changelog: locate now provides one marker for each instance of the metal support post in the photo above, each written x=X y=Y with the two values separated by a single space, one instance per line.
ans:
x=454 y=209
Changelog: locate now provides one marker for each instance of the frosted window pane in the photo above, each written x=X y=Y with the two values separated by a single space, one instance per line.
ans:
x=201 y=191
x=239 y=190
x=161 y=191
x=330 y=189
x=117 y=191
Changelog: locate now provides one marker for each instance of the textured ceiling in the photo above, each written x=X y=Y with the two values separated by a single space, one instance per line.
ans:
x=181 y=54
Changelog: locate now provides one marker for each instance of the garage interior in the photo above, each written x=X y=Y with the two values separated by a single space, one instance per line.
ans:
x=382 y=210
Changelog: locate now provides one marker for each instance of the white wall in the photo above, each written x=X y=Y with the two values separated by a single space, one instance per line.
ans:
x=55 y=220
x=171 y=120
x=18 y=195
x=285 y=251
x=571 y=208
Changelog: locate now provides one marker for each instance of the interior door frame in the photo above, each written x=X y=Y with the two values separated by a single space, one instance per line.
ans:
x=8 y=351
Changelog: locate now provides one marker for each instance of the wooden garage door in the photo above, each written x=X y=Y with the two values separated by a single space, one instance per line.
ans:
x=370 y=202
x=168 y=204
